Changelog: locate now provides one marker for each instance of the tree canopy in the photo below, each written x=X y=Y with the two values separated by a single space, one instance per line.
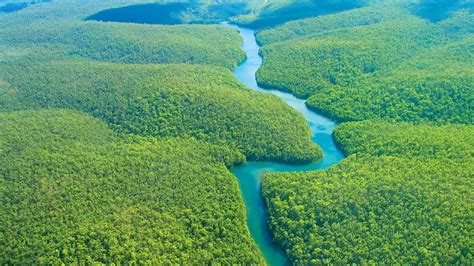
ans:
x=203 y=102
x=404 y=195
x=72 y=191
x=379 y=61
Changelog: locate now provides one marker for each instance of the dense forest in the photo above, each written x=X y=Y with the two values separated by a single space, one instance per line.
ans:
x=127 y=43
x=375 y=62
x=191 y=12
x=120 y=120
x=404 y=70
x=56 y=31
x=203 y=102
x=116 y=139
x=405 y=195
x=406 y=139
x=277 y=12
x=72 y=191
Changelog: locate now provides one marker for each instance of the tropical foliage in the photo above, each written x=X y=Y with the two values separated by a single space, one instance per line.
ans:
x=206 y=103
x=348 y=19
x=405 y=195
x=116 y=138
x=134 y=168
x=130 y=43
x=60 y=32
x=275 y=12
x=375 y=63
x=175 y=12
x=73 y=192
x=379 y=210
x=405 y=139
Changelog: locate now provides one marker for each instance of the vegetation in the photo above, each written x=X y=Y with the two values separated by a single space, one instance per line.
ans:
x=206 y=103
x=8 y=6
x=133 y=43
x=387 y=210
x=440 y=9
x=134 y=168
x=174 y=13
x=276 y=12
x=289 y=13
x=353 y=18
x=73 y=192
x=405 y=195
x=116 y=138
x=162 y=45
x=60 y=32
x=375 y=63
x=404 y=139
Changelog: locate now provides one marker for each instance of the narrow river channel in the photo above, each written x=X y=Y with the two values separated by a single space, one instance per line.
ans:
x=250 y=175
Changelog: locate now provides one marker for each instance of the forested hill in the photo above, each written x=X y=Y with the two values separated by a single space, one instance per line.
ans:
x=73 y=191
x=118 y=130
x=405 y=195
x=380 y=61
x=125 y=43
x=273 y=13
x=203 y=102
x=116 y=139
x=402 y=72
x=56 y=30
x=276 y=12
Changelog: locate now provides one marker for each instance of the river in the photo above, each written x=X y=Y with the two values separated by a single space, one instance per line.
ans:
x=249 y=175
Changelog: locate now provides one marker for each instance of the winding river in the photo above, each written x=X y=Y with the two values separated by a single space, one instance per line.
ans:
x=249 y=175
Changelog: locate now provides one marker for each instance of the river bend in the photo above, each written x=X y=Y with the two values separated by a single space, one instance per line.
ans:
x=249 y=175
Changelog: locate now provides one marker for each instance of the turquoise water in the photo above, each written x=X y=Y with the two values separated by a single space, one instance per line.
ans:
x=250 y=174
